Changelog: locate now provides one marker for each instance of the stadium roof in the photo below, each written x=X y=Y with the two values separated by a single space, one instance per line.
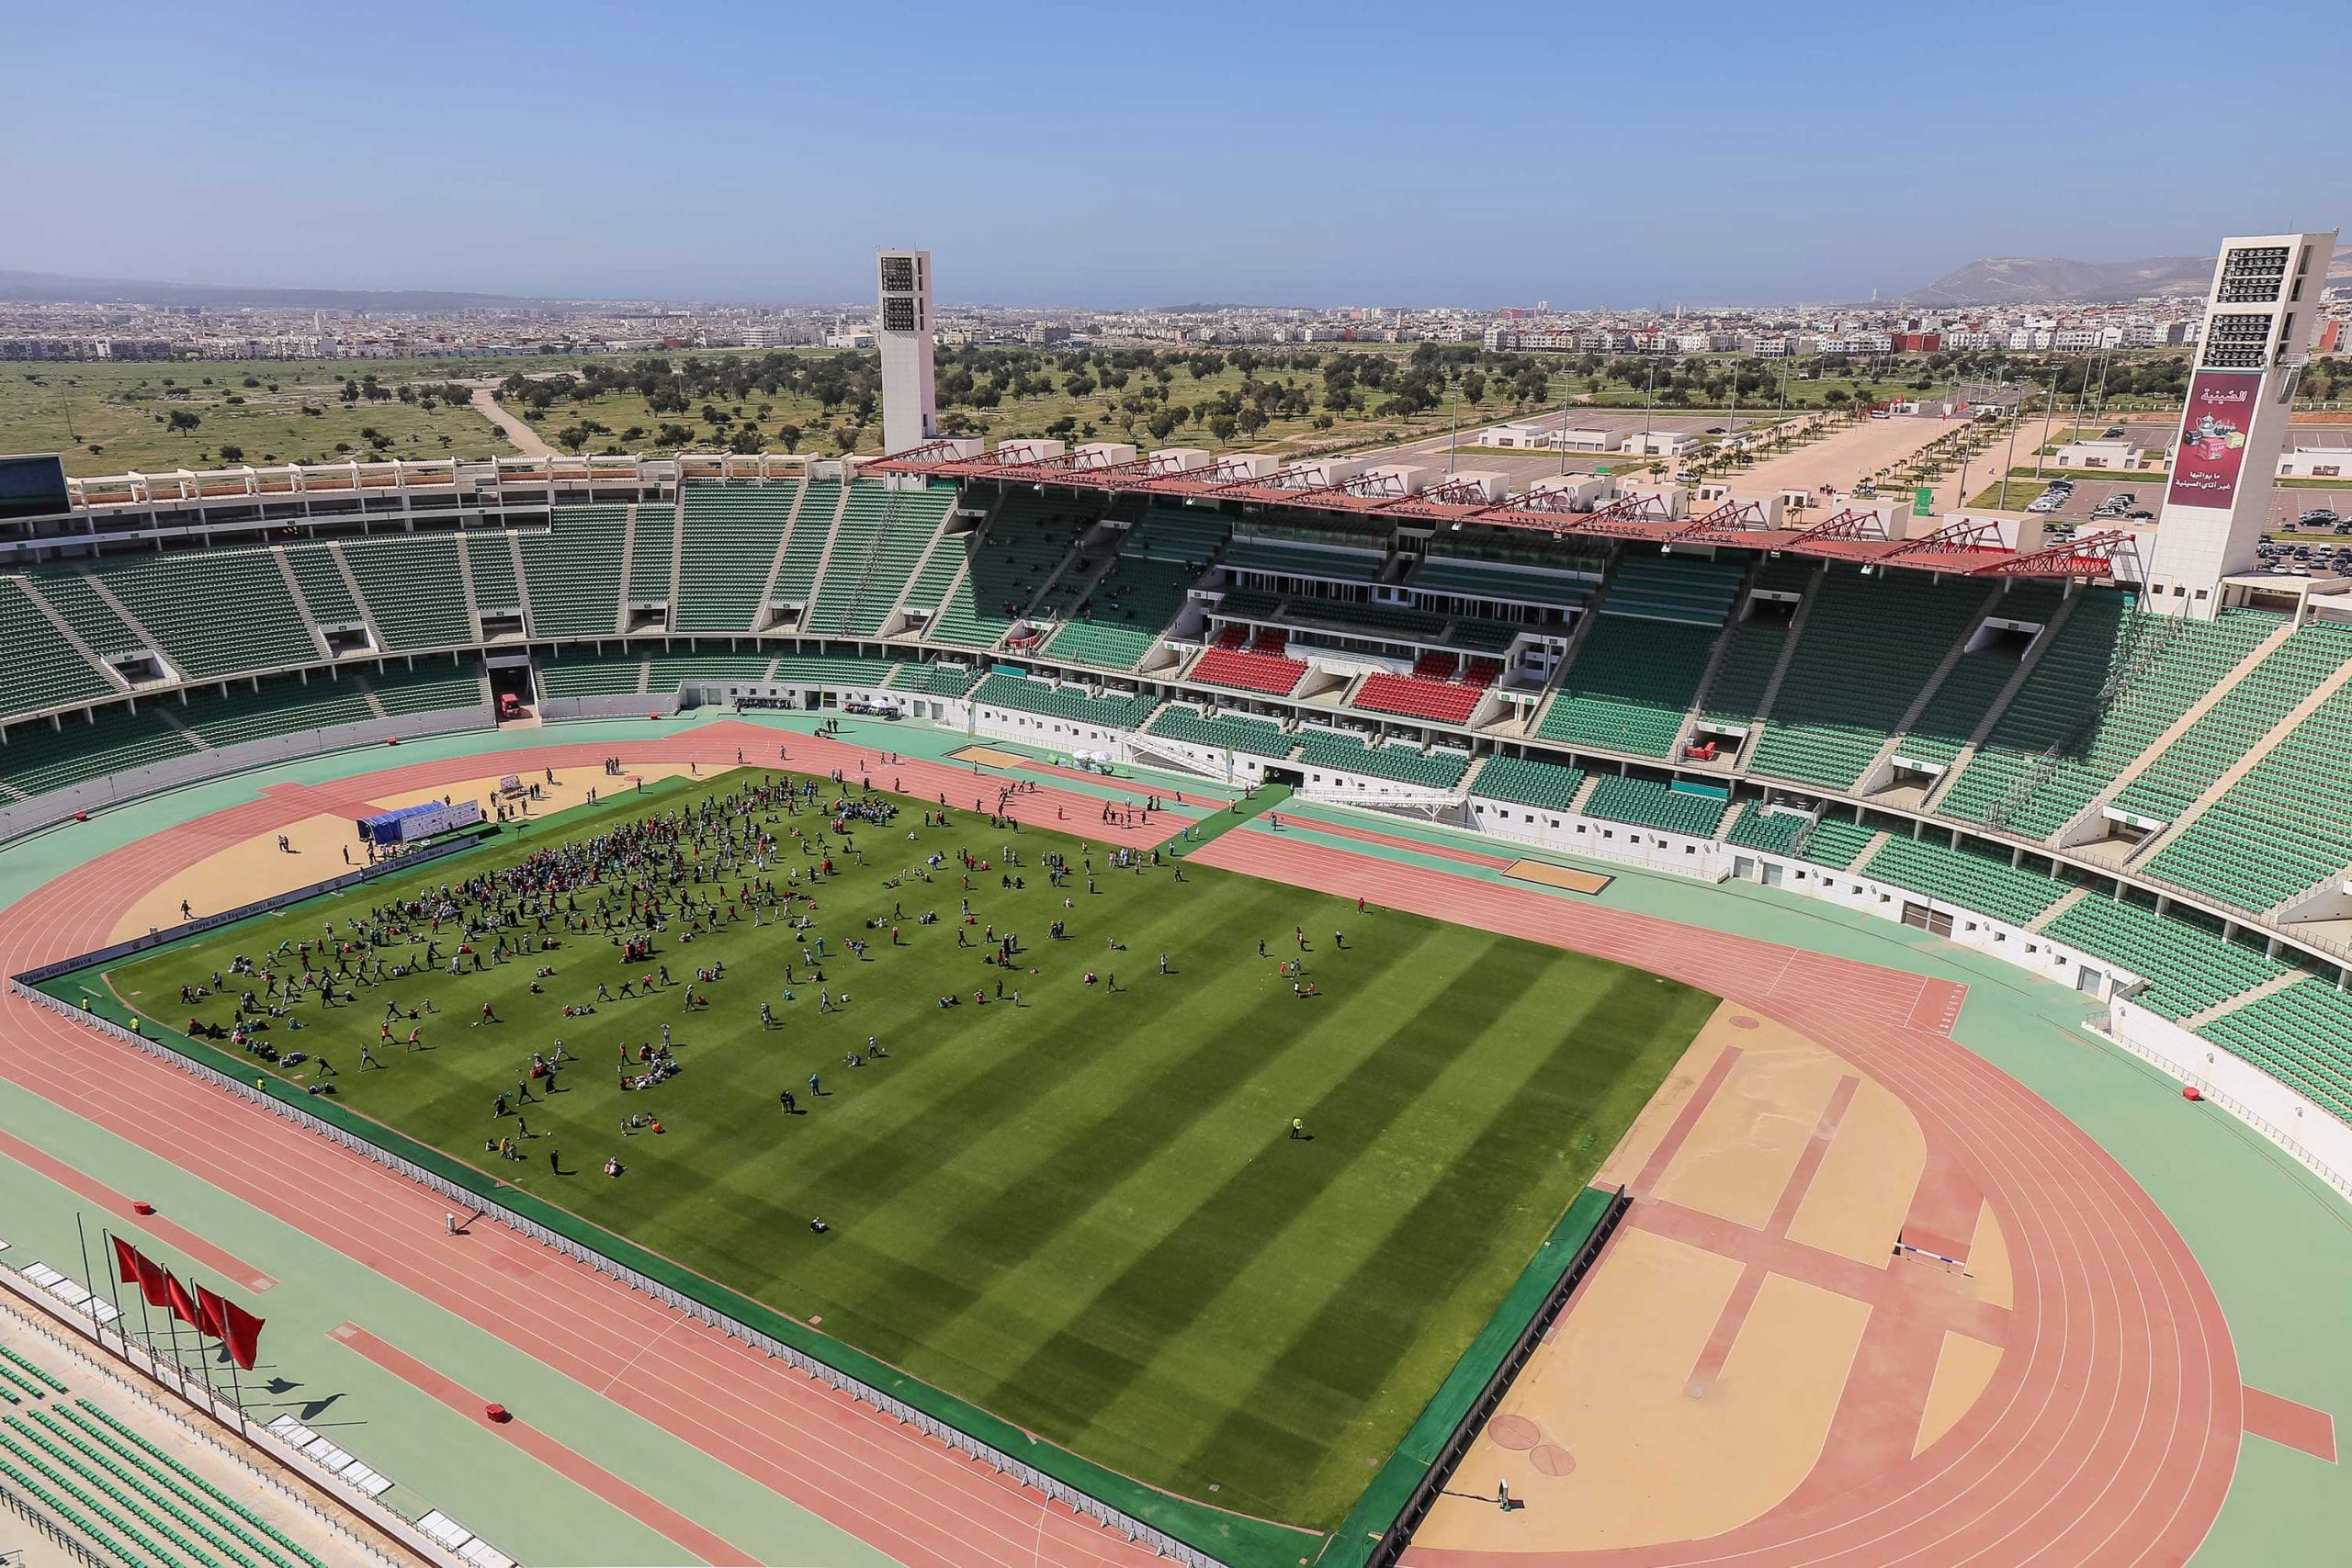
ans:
x=1967 y=547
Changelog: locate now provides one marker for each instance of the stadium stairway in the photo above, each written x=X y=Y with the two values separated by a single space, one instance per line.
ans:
x=1779 y=675
x=1991 y=718
x=1928 y=690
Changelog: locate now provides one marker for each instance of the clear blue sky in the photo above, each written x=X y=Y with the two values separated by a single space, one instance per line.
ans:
x=1326 y=152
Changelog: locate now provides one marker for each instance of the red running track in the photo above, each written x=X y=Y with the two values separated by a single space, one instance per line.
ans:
x=2109 y=1433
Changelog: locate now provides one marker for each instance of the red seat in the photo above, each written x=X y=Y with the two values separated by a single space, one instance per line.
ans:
x=1447 y=702
x=1269 y=639
x=1249 y=671
x=1483 y=671
x=1434 y=664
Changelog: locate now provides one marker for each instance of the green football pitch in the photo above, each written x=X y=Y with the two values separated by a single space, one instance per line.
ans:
x=1084 y=1211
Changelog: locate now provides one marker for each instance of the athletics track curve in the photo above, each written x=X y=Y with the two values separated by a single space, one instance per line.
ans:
x=2111 y=1439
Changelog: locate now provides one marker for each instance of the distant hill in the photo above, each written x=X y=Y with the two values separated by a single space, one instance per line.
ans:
x=2018 y=280
x=50 y=288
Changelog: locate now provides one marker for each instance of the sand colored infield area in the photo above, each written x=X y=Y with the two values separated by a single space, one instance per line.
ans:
x=244 y=870
x=1715 y=1364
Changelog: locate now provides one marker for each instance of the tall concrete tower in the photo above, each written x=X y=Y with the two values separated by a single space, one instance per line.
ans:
x=910 y=405
x=2259 y=319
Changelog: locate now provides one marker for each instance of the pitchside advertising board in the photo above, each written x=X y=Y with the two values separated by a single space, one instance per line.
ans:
x=2212 y=438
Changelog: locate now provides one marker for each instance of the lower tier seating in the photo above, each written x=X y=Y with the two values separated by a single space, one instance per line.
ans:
x=1529 y=780
x=1646 y=803
x=1234 y=732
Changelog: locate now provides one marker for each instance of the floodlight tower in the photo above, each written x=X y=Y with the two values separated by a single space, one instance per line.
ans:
x=2260 y=316
x=910 y=405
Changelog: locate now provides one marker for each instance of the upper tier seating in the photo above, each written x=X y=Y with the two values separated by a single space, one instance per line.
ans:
x=1122 y=621
x=1870 y=644
x=2283 y=828
x=732 y=535
x=217 y=612
x=1405 y=765
x=1185 y=535
x=1445 y=702
x=1974 y=682
x=1234 y=732
x=883 y=536
x=573 y=572
x=1286 y=558
x=1250 y=672
x=804 y=550
x=1693 y=592
x=1646 y=803
x=41 y=668
x=324 y=592
x=1447 y=575
x=412 y=587
x=2048 y=707
x=2228 y=730
x=1631 y=683
x=652 y=554
x=2196 y=657
x=1011 y=561
x=1529 y=780
x=490 y=558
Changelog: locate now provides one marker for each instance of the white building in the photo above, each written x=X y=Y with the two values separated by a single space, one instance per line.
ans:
x=1660 y=444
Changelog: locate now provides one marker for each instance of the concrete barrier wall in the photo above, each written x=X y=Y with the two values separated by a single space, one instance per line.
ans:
x=154 y=778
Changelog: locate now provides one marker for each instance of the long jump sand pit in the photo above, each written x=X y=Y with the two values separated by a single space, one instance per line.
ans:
x=988 y=757
x=1546 y=874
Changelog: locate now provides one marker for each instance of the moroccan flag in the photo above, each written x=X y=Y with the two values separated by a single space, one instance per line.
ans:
x=211 y=1313
x=182 y=1305
x=150 y=1280
x=126 y=1261
x=241 y=1331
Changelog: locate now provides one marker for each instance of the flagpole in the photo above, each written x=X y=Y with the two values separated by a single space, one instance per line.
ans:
x=147 y=1341
x=97 y=1329
x=121 y=1333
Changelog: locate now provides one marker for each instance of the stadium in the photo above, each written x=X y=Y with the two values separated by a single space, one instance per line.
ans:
x=1350 y=1012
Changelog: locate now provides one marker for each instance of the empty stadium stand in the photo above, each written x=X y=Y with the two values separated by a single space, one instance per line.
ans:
x=1235 y=732
x=572 y=572
x=1404 y=764
x=731 y=539
x=1646 y=803
x=1529 y=780
x=1869 y=647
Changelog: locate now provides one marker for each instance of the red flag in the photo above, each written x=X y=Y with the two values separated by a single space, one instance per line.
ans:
x=182 y=1305
x=126 y=1261
x=151 y=1280
x=241 y=1333
x=211 y=1311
